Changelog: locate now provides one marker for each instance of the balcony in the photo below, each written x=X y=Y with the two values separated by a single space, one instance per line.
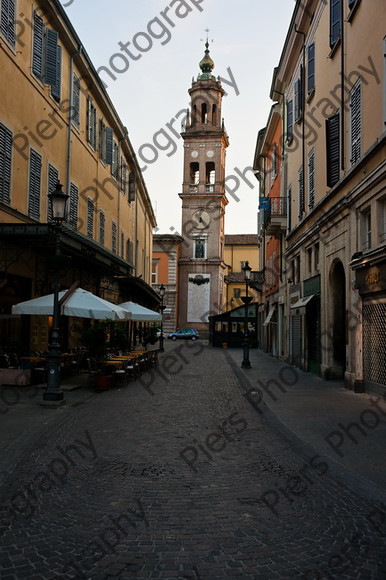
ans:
x=273 y=212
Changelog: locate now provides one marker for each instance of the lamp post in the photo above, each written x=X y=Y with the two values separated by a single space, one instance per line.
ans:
x=162 y=291
x=53 y=393
x=247 y=276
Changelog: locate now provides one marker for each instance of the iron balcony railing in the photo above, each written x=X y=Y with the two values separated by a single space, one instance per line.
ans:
x=271 y=206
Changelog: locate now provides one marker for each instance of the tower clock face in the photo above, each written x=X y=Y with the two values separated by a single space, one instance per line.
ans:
x=194 y=154
x=210 y=153
x=201 y=219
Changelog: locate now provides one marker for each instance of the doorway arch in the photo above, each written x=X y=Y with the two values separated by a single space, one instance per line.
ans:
x=338 y=317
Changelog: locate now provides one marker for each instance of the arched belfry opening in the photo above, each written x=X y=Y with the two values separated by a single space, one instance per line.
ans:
x=204 y=113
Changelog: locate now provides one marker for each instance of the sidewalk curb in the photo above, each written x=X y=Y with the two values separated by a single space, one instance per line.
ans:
x=345 y=476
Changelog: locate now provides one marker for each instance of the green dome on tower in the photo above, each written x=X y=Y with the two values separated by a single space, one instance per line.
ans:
x=206 y=64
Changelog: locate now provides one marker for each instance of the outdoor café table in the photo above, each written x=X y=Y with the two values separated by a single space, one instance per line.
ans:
x=34 y=360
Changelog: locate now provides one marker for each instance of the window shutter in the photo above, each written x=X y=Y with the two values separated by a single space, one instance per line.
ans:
x=109 y=146
x=7 y=24
x=90 y=218
x=89 y=121
x=290 y=120
x=76 y=100
x=74 y=206
x=333 y=150
x=102 y=221
x=56 y=89
x=355 y=123
x=311 y=68
x=132 y=187
x=51 y=76
x=114 y=237
x=122 y=245
x=301 y=191
x=53 y=178
x=335 y=20
x=5 y=164
x=34 y=186
x=37 y=48
x=311 y=179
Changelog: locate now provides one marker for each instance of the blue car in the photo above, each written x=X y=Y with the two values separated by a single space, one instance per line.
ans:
x=184 y=333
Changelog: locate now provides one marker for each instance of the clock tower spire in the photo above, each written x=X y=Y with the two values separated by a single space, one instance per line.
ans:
x=201 y=265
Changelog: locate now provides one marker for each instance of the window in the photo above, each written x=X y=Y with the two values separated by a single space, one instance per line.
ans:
x=129 y=251
x=102 y=141
x=355 y=123
x=132 y=187
x=76 y=100
x=297 y=274
x=300 y=192
x=274 y=160
x=7 y=24
x=309 y=260
x=366 y=229
x=210 y=176
x=34 y=185
x=236 y=292
x=74 y=205
x=123 y=175
x=114 y=237
x=46 y=56
x=53 y=178
x=200 y=248
x=335 y=21
x=122 y=245
x=90 y=218
x=299 y=97
x=311 y=178
x=91 y=124
x=316 y=256
x=311 y=68
x=333 y=150
x=290 y=120
x=102 y=221
x=154 y=272
x=382 y=220
x=5 y=163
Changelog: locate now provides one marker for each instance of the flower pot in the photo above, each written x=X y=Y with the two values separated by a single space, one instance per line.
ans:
x=103 y=383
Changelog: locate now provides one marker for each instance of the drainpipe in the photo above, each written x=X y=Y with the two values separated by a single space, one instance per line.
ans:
x=303 y=102
x=342 y=71
x=70 y=120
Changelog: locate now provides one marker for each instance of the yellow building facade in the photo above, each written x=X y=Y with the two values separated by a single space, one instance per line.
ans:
x=57 y=123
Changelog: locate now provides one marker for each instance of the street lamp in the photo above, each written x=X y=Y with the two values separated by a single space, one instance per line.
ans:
x=162 y=291
x=53 y=393
x=247 y=276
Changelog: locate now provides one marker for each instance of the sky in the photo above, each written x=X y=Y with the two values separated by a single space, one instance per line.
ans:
x=154 y=72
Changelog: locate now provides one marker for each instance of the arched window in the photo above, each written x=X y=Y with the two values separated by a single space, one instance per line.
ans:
x=194 y=176
x=210 y=176
x=204 y=113
x=214 y=114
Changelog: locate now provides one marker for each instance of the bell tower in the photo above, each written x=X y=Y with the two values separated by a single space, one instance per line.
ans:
x=201 y=265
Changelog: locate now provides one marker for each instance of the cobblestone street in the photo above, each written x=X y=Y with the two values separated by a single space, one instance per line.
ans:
x=178 y=476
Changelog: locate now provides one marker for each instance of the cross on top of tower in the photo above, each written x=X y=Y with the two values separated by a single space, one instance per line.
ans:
x=206 y=64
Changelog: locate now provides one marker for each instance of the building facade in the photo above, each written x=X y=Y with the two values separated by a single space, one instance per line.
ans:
x=202 y=266
x=239 y=248
x=166 y=253
x=330 y=85
x=57 y=123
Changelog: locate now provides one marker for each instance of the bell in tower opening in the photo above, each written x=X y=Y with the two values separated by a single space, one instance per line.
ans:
x=201 y=265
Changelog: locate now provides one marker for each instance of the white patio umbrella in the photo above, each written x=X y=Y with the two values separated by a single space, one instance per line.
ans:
x=140 y=313
x=81 y=303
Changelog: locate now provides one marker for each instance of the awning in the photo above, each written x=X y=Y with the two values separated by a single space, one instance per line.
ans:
x=270 y=314
x=299 y=307
x=140 y=313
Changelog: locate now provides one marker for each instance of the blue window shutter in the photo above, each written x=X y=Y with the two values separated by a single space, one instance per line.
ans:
x=109 y=146
x=335 y=20
x=51 y=57
x=7 y=22
x=56 y=89
x=311 y=68
x=37 y=48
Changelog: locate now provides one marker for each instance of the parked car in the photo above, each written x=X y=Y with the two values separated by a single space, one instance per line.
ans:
x=184 y=333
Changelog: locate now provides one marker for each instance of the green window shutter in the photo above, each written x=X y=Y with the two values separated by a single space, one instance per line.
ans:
x=335 y=21
x=56 y=89
x=34 y=186
x=311 y=68
x=132 y=187
x=333 y=150
x=5 y=163
x=76 y=100
x=109 y=146
x=51 y=75
x=7 y=22
x=38 y=46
